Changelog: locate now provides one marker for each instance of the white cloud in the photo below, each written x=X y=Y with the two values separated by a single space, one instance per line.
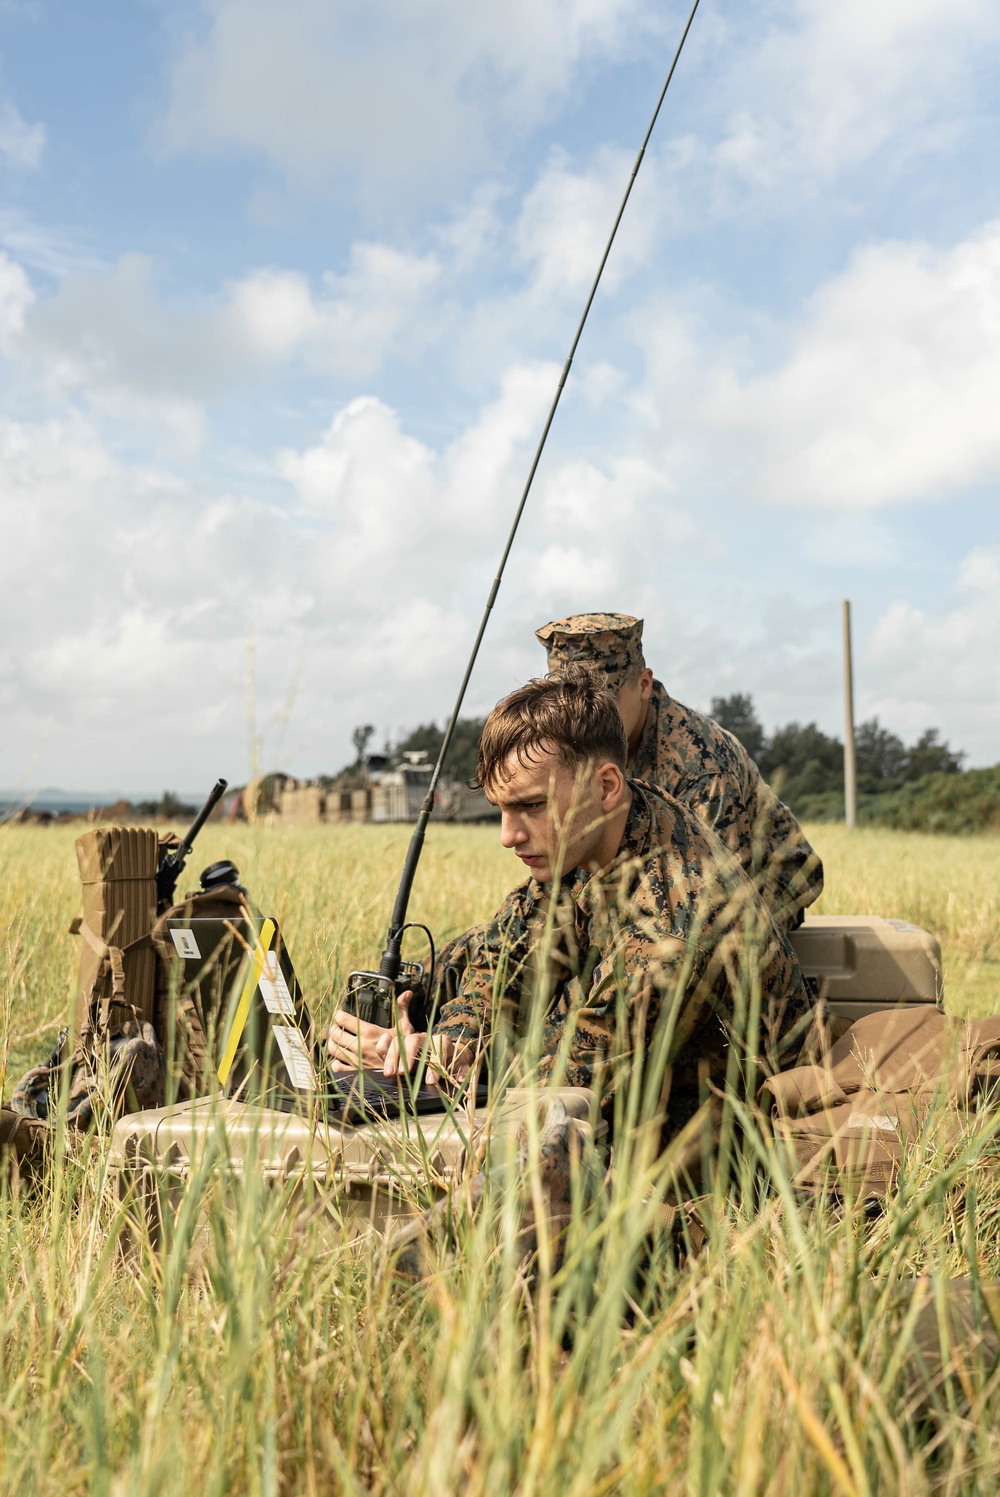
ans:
x=16 y=296
x=883 y=391
x=804 y=93
x=397 y=91
x=560 y=568
x=110 y=337
x=409 y=94
x=980 y=571
x=925 y=666
x=123 y=627
x=389 y=493
x=21 y=144
x=274 y=310
x=564 y=221
x=361 y=315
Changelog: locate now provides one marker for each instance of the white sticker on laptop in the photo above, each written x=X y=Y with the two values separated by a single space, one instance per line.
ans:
x=274 y=988
x=298 y=1061
x=185 y=943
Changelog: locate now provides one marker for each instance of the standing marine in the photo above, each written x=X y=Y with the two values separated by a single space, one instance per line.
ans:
x=689 y=756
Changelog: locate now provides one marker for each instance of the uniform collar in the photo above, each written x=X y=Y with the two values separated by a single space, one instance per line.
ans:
x=643 y=760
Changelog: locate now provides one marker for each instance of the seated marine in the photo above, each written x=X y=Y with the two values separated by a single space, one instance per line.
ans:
x=681 y=752
x=634 y=934
x=689 y=756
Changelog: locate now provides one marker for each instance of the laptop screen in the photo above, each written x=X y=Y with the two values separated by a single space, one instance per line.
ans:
x=239 y=976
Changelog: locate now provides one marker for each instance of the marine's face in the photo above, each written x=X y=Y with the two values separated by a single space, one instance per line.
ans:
x=553 y=816
x=632 y=702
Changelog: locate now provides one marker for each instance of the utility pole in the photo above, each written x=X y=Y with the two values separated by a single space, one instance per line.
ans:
x=850 y=764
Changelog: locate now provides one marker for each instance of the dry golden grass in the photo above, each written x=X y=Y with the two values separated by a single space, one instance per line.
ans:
x=279 y=1358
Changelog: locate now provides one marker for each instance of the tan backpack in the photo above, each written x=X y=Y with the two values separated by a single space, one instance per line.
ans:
x=184 y=1028
x=117 y=962
x=849 y=1121
x=111 y=1056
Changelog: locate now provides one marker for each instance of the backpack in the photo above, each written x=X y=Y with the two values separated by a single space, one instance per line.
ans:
x=129 y=1014
x=851 y=1120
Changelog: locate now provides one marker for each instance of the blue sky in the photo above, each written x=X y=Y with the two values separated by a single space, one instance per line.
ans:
x=283 y=295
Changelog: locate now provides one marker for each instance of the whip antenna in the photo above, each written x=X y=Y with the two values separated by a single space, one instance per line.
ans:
x=390 y=964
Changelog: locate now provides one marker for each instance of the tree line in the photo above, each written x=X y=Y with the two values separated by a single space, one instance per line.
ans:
x=428 y=738
x=804 y=764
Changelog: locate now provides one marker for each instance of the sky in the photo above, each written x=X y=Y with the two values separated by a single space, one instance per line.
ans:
x=285 y=288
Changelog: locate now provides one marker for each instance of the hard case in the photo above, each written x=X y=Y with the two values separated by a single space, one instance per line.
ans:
x=359 y=1178
x=864 y=964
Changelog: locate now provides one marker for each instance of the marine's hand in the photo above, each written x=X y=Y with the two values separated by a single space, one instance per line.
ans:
x=352 y=1044
x=445 y=1057
x=388 y=1046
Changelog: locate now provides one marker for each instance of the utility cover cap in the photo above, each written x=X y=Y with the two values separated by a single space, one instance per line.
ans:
x=609 y=642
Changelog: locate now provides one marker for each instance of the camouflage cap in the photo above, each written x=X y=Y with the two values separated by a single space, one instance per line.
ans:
x=610 y=642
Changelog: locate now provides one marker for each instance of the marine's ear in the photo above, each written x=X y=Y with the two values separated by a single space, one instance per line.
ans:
x=611 y=784
x=646 y=684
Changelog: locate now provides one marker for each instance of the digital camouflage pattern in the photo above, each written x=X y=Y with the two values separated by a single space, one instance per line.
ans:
x=674 y=926
x=689 y=756
x=127 y=1073
x=610 y=643
x=23 y=1144
x=707 y=769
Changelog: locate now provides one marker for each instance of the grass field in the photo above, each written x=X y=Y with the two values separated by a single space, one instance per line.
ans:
x=275 y=1357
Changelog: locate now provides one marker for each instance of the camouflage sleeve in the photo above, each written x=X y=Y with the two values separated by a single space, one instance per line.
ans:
x=715 y=800
x=649 y=972
x=595 y=1035
x=494 y=958
x=792 y=872
x=765 y=839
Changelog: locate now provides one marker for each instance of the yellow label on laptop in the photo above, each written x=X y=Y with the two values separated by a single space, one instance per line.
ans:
x=257 y=964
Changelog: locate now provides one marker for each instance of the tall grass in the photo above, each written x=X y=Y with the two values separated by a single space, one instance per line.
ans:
x=258 y=1349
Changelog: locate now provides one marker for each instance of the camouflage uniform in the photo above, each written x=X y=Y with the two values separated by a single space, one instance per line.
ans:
x=692 y=758
x=674 y=925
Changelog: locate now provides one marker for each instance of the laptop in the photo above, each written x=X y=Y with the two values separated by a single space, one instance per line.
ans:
x=265 y=1047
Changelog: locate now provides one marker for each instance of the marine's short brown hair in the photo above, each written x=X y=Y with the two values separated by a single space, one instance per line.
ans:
x=571 y=713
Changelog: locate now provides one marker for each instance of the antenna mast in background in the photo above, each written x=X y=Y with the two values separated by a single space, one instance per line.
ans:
x=850 y=761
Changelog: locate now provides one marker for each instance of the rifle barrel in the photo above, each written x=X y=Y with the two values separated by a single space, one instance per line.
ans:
x=216 y=793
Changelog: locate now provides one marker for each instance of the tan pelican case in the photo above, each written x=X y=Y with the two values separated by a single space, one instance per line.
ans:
x=865 y=964
x=361 y=1178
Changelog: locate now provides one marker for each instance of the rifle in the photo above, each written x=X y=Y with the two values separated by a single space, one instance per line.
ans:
x=371 y=995
x=172 y=862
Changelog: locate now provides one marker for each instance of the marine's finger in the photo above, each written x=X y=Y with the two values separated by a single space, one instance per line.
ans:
x=403 y=1012
x=391 y=1065
x=346 y=1053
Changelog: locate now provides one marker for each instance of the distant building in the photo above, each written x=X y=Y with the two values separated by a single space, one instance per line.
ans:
x=382 y=792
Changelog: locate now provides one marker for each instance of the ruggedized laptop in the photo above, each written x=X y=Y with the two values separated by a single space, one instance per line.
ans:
x=240 y=978
x=265 y=1047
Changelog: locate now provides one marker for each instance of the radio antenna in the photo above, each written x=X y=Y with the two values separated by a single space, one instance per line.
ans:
x=390 y=963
